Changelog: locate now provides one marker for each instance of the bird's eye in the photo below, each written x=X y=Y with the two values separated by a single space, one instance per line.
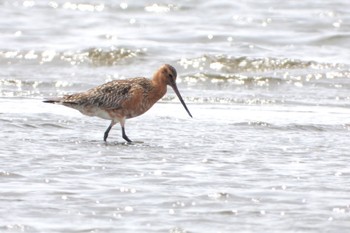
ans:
x=171 y=76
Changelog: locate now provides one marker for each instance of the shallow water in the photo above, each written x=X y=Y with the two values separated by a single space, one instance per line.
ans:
x=266 y=81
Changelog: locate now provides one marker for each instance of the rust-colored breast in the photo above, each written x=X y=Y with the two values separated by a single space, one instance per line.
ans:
x=142 y=98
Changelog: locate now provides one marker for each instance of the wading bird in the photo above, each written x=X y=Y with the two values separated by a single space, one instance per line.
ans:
x=119 y=100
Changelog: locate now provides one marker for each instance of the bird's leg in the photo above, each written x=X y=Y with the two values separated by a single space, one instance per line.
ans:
x=124 y=135
x=107 y=131
x=122 y=123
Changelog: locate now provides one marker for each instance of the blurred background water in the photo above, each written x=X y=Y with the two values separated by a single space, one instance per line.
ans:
x=267 y=82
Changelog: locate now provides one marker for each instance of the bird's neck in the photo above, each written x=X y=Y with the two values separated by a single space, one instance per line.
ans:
x=159 y=86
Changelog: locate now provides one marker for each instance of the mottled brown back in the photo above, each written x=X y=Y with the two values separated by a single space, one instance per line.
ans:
x=110 y=95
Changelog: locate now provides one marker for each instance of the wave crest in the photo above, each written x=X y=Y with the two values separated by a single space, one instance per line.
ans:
x=92 y=56
x=226 y=71
x=246 y=64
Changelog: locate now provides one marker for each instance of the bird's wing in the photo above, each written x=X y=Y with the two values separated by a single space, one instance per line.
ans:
x=110 y=95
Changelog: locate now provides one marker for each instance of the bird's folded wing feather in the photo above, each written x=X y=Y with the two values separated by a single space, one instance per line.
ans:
x=110 y=95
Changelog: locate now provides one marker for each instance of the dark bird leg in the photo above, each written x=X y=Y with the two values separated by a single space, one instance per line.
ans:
x=122 y=123
x=124 y=135
x=107 y=131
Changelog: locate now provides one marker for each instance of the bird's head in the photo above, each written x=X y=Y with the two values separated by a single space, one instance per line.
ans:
x=168 y=75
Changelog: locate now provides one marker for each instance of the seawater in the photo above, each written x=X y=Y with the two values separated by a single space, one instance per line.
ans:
x=267 y=150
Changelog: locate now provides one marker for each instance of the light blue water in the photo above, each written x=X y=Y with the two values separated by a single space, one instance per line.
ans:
x=266 y=81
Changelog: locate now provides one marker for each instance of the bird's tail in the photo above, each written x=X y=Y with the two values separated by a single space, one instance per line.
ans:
x=52 y=101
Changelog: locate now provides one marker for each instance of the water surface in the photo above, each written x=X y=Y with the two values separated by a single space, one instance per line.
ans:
x=266 y=81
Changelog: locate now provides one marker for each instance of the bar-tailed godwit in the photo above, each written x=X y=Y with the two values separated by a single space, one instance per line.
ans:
x=119 y=100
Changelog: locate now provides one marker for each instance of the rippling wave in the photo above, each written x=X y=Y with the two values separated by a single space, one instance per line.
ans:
x=219 y=72
x=294 y=127
x=246 y=100
x=32 y=88
x=247 y=64
x=286 y=83
x=100 y=57
x=92 y=56
x=7 y=174
x=224 y=70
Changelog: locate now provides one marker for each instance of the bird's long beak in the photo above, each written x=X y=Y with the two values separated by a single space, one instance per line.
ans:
x=173 y=85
